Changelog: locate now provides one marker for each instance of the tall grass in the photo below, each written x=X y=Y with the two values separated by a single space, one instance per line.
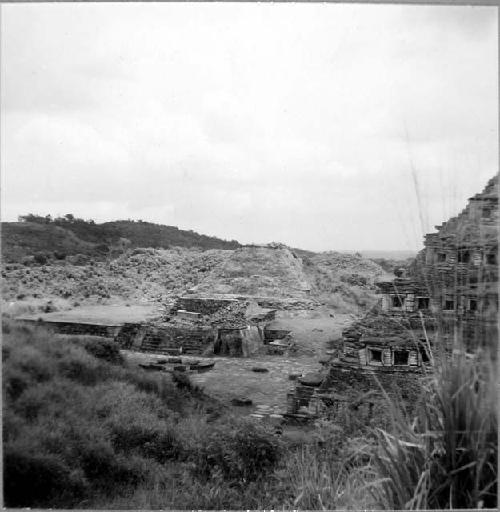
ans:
x=81 y=429
x=327 y=479
x=447 y=457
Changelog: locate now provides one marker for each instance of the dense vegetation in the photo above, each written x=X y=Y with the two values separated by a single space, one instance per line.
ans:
x=446 y=456
x=83 y=429
x=68 y=235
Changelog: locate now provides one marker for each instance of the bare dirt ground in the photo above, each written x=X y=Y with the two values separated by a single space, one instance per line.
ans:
x=312 y=332
x=233 y=377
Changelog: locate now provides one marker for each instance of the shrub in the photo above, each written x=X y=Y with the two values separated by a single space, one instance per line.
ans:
x=240 y=452
x=106 y=350
x=79 y=259
x=34 y=365
x=105 y=468
x=160 y=386
x=15 y=382
x=104 y=248
x=152 y=438
x=51 y=398
x=81 y=367
x=39 y=480
x=40 y=258
x=182 y=381
x=28 y=261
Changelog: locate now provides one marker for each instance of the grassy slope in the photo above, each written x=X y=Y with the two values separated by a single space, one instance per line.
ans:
x=82 y=429
x=23 y=239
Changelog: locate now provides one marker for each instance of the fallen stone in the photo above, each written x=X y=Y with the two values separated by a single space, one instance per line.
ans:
x=151 y=366
x=174 y=360
x=259 y=369
x=311 y=379
x=241 y=402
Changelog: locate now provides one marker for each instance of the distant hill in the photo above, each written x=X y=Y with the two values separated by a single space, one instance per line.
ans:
x=397 y=254
x=68 y=236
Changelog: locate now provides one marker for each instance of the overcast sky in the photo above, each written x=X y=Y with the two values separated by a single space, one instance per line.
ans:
x=310 y=124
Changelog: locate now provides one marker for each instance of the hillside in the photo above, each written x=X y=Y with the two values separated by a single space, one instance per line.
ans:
x=144 y=274
x=343 y=281
x=64 y=237
x=266 y=271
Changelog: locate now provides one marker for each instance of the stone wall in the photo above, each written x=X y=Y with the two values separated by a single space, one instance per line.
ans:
x=76 y=328
x=285 y=304
x=203 y=305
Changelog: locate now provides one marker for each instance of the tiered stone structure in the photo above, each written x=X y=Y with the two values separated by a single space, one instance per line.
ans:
x=166 y=339
x=448 y=300
x=455 y=277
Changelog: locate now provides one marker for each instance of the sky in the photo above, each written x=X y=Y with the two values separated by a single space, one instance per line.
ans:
x=322 y=126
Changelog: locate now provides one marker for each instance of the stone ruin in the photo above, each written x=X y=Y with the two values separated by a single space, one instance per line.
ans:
x=448 y=300
x=238 y=324
x=192 y=325
x=221 y=325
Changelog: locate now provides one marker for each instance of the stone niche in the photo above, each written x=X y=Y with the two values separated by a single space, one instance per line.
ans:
x=379 y=355
x=238 y=342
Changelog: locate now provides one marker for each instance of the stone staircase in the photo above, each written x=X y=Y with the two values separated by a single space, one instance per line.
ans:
x=174 y=341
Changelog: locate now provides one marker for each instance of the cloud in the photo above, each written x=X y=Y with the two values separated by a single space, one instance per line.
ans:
x=252 y=121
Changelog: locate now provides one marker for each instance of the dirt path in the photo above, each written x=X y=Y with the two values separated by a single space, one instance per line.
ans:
x=234 y=378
